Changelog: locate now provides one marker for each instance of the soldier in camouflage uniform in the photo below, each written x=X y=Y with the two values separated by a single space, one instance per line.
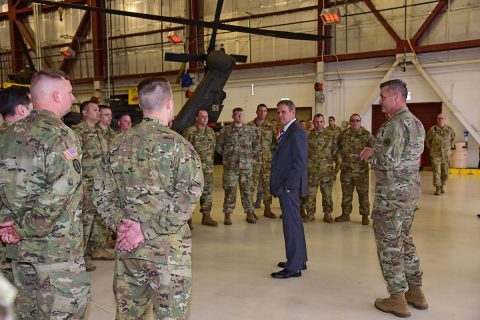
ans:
x=202 y=137
x=41 y=212
x=100 y=233
x=355 y=172
x=440 y=140
x=15 y=104
x=396 y=155
x=94 y=146
x=237 y=144
x=336 y=131
x=267 y=138
x=147 y=188
x=322 y=151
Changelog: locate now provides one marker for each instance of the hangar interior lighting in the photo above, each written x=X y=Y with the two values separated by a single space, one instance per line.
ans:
x=330 y=16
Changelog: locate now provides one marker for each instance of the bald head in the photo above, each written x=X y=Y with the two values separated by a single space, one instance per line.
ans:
x=51 y=90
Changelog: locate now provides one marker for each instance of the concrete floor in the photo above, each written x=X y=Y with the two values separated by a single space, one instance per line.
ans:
x=232 y=264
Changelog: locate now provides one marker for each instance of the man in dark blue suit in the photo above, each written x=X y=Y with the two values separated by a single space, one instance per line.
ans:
x=288 y=182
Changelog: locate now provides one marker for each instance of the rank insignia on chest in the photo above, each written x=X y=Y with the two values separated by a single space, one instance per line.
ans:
x=70 y=154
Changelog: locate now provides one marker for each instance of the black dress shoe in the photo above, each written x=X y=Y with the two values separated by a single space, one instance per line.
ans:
x=285 y=274
x=282 y=265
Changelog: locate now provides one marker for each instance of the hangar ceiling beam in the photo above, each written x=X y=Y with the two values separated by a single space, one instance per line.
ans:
x=428 y=22
x=75 y=44
x=98 y=24
x=16 y=50
x=29 y=38
x=384 y=23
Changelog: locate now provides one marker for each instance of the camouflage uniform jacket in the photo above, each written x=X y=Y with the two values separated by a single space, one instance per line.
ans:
x=350 y=144
x=108 y=133
x=398 y=146
x=238 y=147
x=4 y=126
x=322 y=151
x=94 y=146
x=42 y=156
x=336 y=131
x=151 y=175
x=267 y=138
x=440 y=141
x=204 y=143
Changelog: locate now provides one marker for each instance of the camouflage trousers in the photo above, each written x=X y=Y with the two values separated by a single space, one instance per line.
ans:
x=349 y=182
x=261 y=172
x=5 y=263
x=324 y=181
x=440 y=167
x=338 y=164
x=396 y=252
x=51 y=291
x=94 y=236
x=206 y=198
x=140 y=283
x=232 y=178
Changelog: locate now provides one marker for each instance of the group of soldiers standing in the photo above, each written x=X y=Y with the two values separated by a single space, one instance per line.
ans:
x=247 y=148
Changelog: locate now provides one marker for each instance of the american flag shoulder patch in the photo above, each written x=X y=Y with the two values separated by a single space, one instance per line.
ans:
x=70 y=153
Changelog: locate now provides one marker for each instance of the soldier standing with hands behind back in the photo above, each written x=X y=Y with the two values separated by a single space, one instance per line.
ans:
x=440 y=140
x=238 y=145
x=202 y=138
x=147 y=187
x=267 y=138
x=41 y=211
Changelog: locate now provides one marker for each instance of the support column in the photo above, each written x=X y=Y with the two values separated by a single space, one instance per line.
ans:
x=320 y=76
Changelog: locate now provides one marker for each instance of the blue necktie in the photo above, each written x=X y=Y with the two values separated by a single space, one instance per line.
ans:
x=280 y=137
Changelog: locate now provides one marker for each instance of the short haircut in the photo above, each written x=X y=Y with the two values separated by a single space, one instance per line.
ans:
x=331 y=118
x=237 y=109
x=154 y=92
x=396 y=85
x=288 y=103
x=42 y=74
x=104 y=106
x=319 y=115
x=262 y=105
x=198 y=111
x=11 y=97
x=355 y=114
x=85 y=104
x=123 y=115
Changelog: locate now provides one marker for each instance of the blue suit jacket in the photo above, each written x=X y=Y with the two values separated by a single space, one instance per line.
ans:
x=289 y=162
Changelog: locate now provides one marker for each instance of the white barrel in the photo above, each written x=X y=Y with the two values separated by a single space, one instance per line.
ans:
x=459 y=156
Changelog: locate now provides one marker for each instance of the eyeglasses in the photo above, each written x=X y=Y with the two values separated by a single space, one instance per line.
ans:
x=355 y=120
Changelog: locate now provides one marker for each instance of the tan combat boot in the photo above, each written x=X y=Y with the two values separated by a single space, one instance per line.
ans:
x=395 y=304
x=437 y=191
x=441 y=189
x=110 y=244
x=268 y=212
x=89 y=266
x=227 y=221
x=309 y=218
x=365 y=220
x=103 y=254
x=255 y=216
x=327 y=217
x=208 y=221
x=416 y=298
x=343 y=218
x=251 y=218
x=303 y=213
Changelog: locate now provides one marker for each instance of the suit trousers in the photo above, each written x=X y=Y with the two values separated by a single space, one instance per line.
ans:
x=295 y=246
